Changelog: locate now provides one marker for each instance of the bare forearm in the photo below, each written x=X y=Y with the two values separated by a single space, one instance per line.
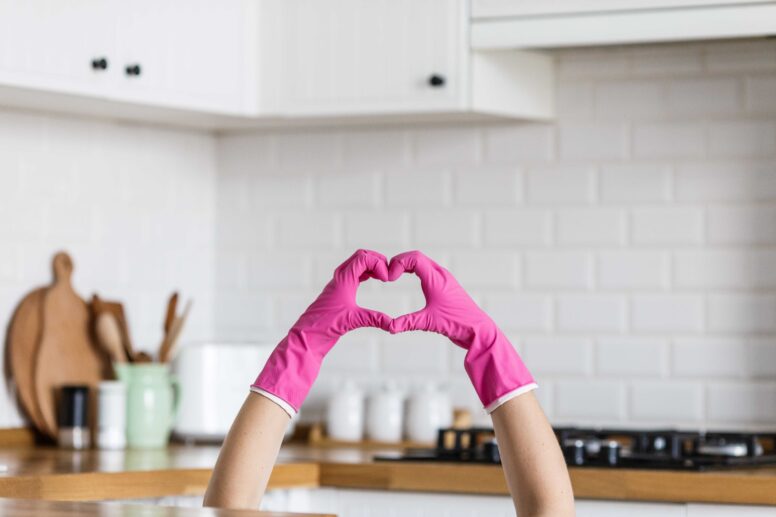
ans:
x=533 y=464
x=249 y=452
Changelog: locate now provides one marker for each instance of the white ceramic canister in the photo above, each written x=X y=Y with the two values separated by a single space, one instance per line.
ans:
x=385 y=414
x=428 y=410
x=345 y=414
x=111 y=415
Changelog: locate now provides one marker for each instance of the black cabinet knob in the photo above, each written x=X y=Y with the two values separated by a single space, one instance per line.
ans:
x=133 y=69
x=436 y=81
x=99 y=63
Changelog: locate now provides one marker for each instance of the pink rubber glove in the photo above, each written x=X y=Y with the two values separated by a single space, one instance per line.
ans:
x=294 y=364
x=494 y=367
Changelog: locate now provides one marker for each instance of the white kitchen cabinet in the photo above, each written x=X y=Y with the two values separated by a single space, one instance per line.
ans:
x=185 y=54
x=503 y=24
x=116 y=57
x=344 y=60
x=490 y=8
x=381 y=56
x=50 y=44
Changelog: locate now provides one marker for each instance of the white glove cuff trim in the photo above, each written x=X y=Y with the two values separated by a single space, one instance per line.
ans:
x=509 y=396
x=285 y=406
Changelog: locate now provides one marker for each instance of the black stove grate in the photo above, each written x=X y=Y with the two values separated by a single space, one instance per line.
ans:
x=664 y=449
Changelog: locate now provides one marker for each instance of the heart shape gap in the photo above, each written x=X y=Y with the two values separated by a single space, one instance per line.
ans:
x=402 y=296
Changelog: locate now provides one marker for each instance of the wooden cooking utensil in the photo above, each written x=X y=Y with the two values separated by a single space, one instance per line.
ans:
x=142 y=357
x=109 y=337
x=21 y=348
x=167 y=354
x=172 y=310
x=117 y=310
x=66 y=354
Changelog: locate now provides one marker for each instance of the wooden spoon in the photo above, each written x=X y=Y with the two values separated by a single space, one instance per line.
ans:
x=109 y=337
x=168 y=354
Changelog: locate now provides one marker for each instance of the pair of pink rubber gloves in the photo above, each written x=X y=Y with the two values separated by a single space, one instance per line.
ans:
x=494 y=367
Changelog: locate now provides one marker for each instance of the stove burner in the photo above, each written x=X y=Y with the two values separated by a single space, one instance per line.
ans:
x=616 y=448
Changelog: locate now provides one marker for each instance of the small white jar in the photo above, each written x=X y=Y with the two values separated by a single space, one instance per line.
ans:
x=385 y=414
x=428 y=411
x=345 y=414
x=111 y=415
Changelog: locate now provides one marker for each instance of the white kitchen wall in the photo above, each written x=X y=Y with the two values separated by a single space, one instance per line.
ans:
x=134 y=206
x=628 y=249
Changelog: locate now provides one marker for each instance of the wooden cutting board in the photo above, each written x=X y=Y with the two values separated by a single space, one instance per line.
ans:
x=21 y=349
x=67 y=353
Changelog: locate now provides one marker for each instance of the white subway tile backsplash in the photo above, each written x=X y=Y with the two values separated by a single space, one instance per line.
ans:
x=667 y=401
x=558 y=355
x=520 y=227
x=668 y=225
x=761 y=94
x=744 y=313
x=748 y=181
x=309 y=151
x=630 y=99
x=631 y=356
x=377 y=230
x=561 y=185
x=376 y=148
x=715 y=96
x=594 y=312
x=447 y=146
x=669 y=140
x=415 y=352
x=524 y=143
x=300 y=230
x=417 y=188
x=635 y=183
x=735 y=269
x=747 y=139
x=737 y=404
x=737 y=56
x=667 y=313
x=710 y=357
x=588 y=400
x=446 y=228
x=591 y=226
x=486 y=269
x=586 y=141
x=487 y=188
x=351 y=190
x=278 y=270
x=564 y=269
x=741 y=224
x=631 y=269
x=520 y=311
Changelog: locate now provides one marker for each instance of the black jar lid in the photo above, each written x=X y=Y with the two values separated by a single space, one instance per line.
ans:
x=74 y=406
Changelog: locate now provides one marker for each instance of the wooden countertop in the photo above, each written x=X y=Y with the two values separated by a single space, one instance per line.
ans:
x=53 y=474
x=29 y=508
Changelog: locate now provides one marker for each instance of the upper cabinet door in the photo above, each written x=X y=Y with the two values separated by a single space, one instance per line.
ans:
x=495 y=8
x=352 y=57
x=56 y=45
x=190 y=54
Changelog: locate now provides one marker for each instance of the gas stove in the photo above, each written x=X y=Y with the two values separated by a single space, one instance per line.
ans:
x=614 y=448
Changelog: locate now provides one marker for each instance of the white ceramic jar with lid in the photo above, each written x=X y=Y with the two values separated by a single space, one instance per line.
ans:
x=428 y=410
x=385 y=414
x=345 y=413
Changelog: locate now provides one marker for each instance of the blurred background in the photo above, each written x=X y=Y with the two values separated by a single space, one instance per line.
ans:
x=600 y=176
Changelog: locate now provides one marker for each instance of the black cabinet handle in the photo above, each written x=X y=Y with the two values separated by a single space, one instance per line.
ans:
x=99 y=63
x=436 y=81
x=133 y=69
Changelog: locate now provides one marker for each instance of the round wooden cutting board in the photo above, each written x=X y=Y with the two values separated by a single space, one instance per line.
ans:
x=21 y=349
x=67 y=354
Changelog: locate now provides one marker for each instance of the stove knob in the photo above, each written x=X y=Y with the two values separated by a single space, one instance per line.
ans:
x=610 y=452
x=659 y=444
x=575 y=453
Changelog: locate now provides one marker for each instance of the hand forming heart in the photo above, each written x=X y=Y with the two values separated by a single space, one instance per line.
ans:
x=497 y=372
